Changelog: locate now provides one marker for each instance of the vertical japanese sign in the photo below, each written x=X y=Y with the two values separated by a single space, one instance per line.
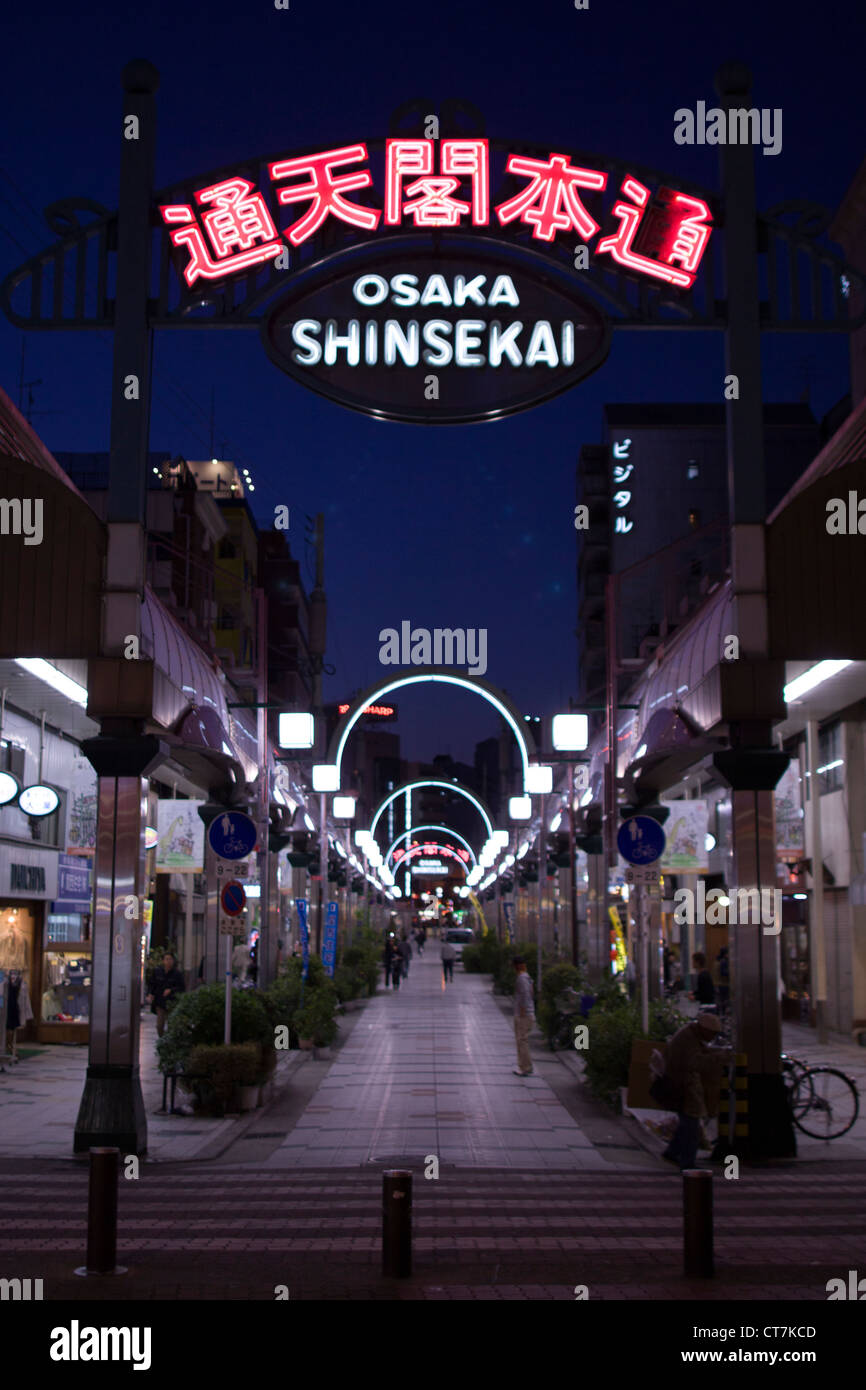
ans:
x=81 y=822
x=329 y=948
x=301 y=905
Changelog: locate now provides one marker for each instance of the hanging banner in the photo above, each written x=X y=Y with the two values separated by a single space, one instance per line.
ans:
x=83 y=798
x=478 y=908
x=329 y=946
x=686 y=837
x=508 y=913
x=180 y=846
x=301 y=905
x=790 y=824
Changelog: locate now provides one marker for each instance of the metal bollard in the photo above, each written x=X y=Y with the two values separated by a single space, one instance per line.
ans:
x=698 y=1224
x=102 y=1214
x=397 y=1223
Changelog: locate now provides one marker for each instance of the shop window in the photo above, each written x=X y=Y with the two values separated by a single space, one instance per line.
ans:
x=64 y=927
x=831 y=764
x=67 y=974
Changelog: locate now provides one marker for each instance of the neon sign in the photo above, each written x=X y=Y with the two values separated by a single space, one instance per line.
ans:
x=497 y=333
x=425 y=851
x=231 y=229
x=383 y=711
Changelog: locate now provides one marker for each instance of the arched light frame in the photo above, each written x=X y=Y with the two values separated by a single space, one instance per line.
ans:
x=433 y=782
x=475 y=685
x=446 y=829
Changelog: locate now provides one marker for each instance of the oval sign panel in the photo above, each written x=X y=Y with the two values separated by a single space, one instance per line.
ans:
x=438 y=338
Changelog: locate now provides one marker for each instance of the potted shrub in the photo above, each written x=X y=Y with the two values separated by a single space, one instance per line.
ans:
x=316 y=1022
x=220 y=1069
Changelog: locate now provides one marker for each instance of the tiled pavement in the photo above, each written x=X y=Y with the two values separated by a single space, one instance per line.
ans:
x=428 y=1069
x=238 y=1232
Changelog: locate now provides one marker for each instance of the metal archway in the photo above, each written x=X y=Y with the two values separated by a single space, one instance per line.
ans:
x=433 y=782
x=447 y=676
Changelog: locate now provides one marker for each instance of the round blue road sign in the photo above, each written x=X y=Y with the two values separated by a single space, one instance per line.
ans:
x=232 y=835
x=233 y=898
x=640 y=840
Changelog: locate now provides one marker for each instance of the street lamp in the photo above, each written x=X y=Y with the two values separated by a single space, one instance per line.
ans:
x=344 y=807
x=538 y=779
x=326 y=777
x=570 y=732
x=296 y=730
x=519 y=807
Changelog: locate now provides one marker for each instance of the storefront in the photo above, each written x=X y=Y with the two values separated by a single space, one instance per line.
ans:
x=45 y=941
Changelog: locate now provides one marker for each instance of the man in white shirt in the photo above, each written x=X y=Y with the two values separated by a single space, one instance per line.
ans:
x=524 y=1016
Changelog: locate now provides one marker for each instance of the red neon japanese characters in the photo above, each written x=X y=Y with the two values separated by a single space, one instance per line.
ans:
x=234 y=229
x=551 y=203
x=325 y=190
x=430 y=199
x=234 y=224
x=681 y=237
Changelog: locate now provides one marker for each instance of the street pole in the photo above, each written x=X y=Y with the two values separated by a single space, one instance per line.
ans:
x=227 y=1036
x=542 y=875
x=572 y=859
x=817 y=940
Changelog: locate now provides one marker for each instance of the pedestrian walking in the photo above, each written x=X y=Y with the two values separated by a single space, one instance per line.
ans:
x=405 y=949
x=449 y=955
x=524 y=1016
x=704 y=990
x=167 y=983
x=397 y=969
x=388 y=955
x=694 y=1070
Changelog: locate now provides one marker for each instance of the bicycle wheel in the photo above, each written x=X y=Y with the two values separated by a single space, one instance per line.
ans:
x=833 y=1107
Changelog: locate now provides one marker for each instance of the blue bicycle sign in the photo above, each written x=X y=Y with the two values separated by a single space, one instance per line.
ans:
x=640 y=840
x=232 y=835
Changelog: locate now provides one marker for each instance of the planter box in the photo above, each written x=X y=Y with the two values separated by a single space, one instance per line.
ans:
x=305 y=1044
x=322 y=1054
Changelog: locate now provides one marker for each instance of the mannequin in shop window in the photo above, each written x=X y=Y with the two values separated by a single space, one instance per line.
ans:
x=18 y=1010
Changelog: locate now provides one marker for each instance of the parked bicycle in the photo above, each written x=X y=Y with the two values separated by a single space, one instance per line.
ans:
x=824 y=1102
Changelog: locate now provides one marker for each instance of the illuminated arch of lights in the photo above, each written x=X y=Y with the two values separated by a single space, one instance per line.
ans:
x=431 y=850
x=433 y=782
x=474 y=684
x=445 y=829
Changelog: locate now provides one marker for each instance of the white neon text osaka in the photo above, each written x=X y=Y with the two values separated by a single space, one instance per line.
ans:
x=467 y=342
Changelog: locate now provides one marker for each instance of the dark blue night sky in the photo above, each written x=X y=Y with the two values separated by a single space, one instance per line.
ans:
x=458 y=527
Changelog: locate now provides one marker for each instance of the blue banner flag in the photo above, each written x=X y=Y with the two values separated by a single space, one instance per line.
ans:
x=329 y=949
x=301 y=905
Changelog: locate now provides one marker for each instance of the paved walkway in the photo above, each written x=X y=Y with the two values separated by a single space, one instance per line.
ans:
x=428 y=1069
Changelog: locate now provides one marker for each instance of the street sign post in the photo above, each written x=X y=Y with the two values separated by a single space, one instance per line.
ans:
x=641 y=842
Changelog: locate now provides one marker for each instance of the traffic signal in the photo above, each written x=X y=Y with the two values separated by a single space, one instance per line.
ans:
x=558 y=853
x=357 y=885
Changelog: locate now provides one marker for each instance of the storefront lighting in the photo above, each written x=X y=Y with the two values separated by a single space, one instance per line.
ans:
x=815 y=675
x=586 y=798
x=524 y=850
x=801 y=897
x=38 y=800
x=44 y=671
x=709 y=842
x=556 y=823
x=308 y=821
